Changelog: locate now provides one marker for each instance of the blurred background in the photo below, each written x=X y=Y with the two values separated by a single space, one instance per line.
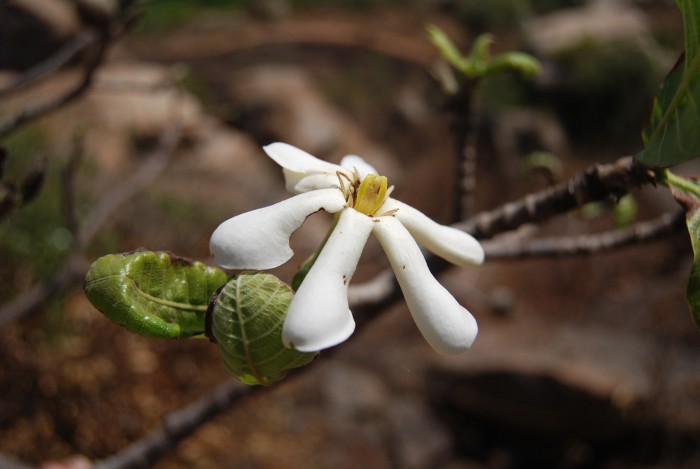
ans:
x=580 y=363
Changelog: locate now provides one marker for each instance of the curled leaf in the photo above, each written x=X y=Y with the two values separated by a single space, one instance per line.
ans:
x=153 y=294
x=245 y=318
x=687 y=193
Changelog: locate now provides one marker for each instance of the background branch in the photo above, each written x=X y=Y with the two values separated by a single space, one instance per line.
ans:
x=596 y=183
x=35 y=111
x=125 y=17
x=585 y=244
x=52 y=64
x=178 y=425
x=73 y=270
x=466 y=131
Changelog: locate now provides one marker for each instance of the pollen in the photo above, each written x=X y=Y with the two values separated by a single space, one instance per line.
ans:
x=371 y=194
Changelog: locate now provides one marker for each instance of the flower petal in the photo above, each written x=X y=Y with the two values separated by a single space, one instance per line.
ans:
x=447 y=326
x=451 y=244
x=297 y=160
x=297 y=183
x=260 y=239
x=298 y=165
x=352 y=162
x=319 y=316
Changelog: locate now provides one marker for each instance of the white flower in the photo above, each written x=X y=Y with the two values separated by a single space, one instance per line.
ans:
x=319 y=316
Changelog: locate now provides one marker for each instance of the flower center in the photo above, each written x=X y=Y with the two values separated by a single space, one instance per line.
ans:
x=371 y=194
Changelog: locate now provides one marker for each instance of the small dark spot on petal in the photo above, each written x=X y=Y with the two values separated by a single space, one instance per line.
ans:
x=403 y=266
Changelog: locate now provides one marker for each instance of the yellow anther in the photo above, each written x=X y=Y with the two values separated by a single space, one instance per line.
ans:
x=371 y=194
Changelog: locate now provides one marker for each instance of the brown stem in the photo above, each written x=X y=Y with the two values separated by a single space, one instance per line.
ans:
x=178 y=425
x=52 y=64
x=586 y=244
x=596 y=183
x=466 y=131
x=53 y=103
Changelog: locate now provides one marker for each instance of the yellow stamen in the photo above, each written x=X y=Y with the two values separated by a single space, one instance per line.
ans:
x=371 y=194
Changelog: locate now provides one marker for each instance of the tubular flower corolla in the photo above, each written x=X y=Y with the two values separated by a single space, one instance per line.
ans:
x=319 y=316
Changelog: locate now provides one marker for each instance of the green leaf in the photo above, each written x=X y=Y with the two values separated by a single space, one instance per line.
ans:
x=672 y=134
x=446 y=47
x=479 y=62
x=245 y=319
x=153 y=294
x=524 y=64
x=687 y=193
x=481 y=51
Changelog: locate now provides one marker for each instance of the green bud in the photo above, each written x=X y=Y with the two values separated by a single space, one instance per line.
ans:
x=245 y=319
x=153 y=294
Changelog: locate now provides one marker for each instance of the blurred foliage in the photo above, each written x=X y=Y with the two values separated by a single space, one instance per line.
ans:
x=625 y=211
x=604 y=90
x=479 y=63
x=503 y=91
x=164 y=15
x=490 y=15
x=348 y=3
x=547 y=6
x=34 y=240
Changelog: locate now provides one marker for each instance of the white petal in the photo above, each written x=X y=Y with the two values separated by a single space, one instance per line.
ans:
x=352 y=162
x=260 y=239
x=298 y=165
x=312 y=182
x=296 y=160
x=447 y=326
x=319 y=316
x=451 y=244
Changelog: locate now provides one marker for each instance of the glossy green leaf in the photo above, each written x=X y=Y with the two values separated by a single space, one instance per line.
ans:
x=687 y=193
x=153 y=294
x=246 y=319
x=672 y=134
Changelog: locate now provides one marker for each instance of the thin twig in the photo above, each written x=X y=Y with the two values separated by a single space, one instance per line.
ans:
x=53 y=103
x=586 y=244
x=152 y=167
x=68 y=175
x=75 y=266
x=178 y=425
x=52 y=64
x=466 y=131
x=596 y=183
